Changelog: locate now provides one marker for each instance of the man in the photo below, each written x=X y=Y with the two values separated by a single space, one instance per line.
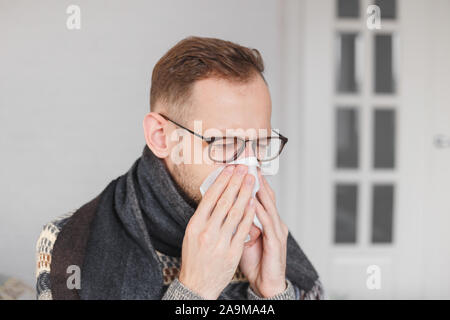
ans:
x=150 y=234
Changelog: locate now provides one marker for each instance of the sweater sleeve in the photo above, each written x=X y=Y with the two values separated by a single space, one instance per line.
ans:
x=177 y=291
x=287 y=294
x=292 y=293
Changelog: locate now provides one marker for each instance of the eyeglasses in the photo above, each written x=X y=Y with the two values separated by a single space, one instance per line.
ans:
x=227 y=149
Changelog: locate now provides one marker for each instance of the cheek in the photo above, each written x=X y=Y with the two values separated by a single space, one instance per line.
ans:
x=197 y=173
x=205 y=170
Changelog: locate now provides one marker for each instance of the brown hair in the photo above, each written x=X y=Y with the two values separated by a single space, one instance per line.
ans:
x=196 y=58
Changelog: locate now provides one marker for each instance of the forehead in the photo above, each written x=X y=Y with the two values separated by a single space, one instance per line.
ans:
x=231 y=106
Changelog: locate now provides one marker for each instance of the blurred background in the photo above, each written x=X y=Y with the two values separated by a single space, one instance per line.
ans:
x=364 y=181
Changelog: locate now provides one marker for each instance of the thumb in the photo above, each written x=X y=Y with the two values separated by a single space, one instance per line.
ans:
x=255 y=233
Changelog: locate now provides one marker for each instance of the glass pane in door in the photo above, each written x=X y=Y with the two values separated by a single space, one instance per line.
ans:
x=384 y=64
x=346 y=138
x=346 y=196
x=348 y=8
x=346 y=63
x=382 y=213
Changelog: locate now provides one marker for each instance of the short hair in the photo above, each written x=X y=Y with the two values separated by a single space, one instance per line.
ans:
x=197 y=58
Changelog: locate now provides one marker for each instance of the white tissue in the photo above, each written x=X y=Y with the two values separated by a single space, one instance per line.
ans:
x=253 y=165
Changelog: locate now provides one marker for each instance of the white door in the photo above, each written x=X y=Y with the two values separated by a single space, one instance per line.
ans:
x=361 y=120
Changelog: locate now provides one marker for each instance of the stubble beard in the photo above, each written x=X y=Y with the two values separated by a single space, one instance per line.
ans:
x=185 y=181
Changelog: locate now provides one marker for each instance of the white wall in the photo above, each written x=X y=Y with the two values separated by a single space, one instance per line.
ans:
x=72 y=102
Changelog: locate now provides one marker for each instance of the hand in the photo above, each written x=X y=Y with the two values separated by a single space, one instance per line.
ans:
x=210 y=251
x=263 y=261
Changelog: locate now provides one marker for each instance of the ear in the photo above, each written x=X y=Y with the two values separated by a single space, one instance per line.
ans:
x=155 y=131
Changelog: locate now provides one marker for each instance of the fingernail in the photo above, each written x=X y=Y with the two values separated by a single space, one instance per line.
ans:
x=252 y=202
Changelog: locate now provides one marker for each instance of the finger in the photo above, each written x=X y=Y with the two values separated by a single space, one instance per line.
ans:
x=243 y=229
x=228 y=197
x=270 y=208
x=235 y=214
x=267 y=186
x=211 y=196
x=266 y=222
x=264 y=186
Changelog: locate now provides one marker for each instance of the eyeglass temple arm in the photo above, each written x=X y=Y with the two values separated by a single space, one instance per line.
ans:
x=285 y=139
x=189 y=130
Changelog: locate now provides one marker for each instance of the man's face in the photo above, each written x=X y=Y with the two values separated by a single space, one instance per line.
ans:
x=224 y=108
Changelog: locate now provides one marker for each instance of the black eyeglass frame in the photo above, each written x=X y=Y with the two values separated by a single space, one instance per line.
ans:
x=210 y=140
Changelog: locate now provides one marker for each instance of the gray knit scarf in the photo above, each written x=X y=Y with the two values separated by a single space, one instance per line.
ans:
x=140 y=212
